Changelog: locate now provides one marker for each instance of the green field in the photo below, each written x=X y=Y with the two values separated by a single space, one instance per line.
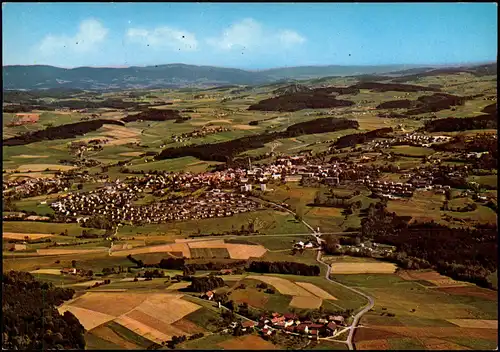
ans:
x=490 y=181
x=44 y=227
x=204 y=318
x=209 y=342
x=411 y=151
x=272 y=242
x=268 y=221
x=93 y=342
x=129 y=335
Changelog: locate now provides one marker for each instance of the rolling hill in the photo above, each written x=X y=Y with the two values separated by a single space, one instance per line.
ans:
x=180 y=75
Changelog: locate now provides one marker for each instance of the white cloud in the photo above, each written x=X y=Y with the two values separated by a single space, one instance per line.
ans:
x=90 y=33
x=290 y=38
x=164 y=37
x=250 y=34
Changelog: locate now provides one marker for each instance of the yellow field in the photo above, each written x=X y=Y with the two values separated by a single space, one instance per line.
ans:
x=131 y=154
x=363 y=268
x=319 y=292
x=306 y=302
x=475 y=323
x=167 y=307
x=150 y=315
x=244 y=251
x=148 y=320
x=21 y=236
x=108 y=334
x=29 y=156
x=236 y=251
x=70 y=251
x=30 y=175
x=121 y=134
x=43 y=167
x=88 y=318
x=47 y=271
x=141 y=329
x=174 y=247
x=111 y=303
x=432 y=277
x=178 y=285
x=244 y=127
x=207 y=244
x=283 y=286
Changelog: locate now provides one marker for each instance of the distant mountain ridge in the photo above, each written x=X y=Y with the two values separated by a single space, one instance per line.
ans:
x=18 y=77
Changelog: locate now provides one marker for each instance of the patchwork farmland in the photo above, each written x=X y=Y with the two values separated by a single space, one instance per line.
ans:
x=149 y=315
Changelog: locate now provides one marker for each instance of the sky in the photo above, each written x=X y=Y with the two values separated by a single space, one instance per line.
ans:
x=248 y=35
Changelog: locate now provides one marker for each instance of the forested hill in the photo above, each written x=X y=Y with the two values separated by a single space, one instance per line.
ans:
x=165 y=76
x=30 y=319
x=181 y=75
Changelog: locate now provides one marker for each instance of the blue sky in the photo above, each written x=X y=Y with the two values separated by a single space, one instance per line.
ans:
x=248 y=35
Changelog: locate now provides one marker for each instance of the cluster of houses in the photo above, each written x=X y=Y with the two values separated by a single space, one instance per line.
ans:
x=33 y=187
x=413 y=139
x=291 y=324
x=390 y=190
x=204 y=131
x=115 y=202
x=80 y=147
x=368 y=247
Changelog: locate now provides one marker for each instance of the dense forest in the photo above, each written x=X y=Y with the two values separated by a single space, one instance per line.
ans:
x=393 y=87
x=423 y=104
x=291 y=268
x=396 y=104
x=28 y=105
x=30 y=318
x=71 y=130
x=154 y=115
x=468 y=254
x=205 y=283
x=315 y=99
x=359 y=138
x=451 y=124
x=484 y=142
x=226 y=151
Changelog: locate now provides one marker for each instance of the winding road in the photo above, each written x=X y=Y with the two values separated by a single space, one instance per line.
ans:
x=366 y=308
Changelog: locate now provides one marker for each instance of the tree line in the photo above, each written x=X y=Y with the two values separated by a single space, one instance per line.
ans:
x=71 y=130
x=228 y=150
x=291 y=268
x=360 y=138
x=451 y=124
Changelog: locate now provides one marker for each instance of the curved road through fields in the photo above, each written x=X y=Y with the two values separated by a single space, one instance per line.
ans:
x=365 y=309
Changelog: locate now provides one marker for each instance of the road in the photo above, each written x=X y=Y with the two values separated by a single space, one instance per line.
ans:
x=358 y=316
x=365 y=309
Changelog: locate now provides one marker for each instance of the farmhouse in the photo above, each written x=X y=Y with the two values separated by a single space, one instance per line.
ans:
x=208 y=295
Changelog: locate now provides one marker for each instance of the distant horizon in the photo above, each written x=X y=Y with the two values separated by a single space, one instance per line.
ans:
x=249 y=36
x=266 y=69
